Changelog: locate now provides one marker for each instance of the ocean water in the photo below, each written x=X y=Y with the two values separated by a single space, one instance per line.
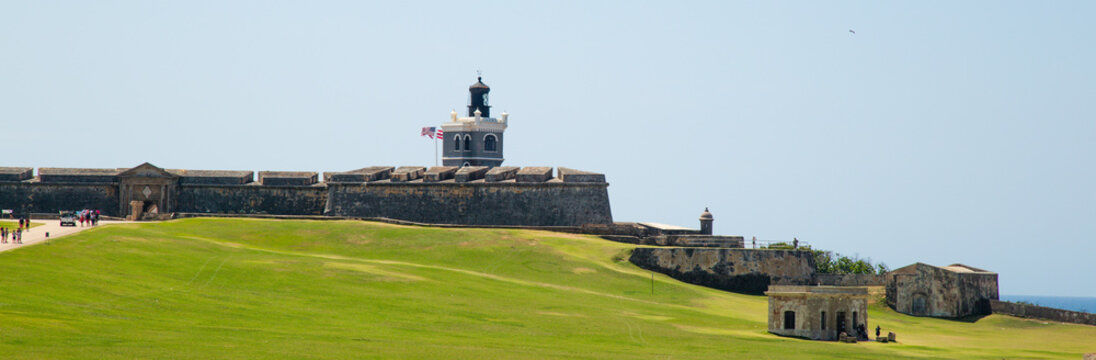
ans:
x=1085 y=304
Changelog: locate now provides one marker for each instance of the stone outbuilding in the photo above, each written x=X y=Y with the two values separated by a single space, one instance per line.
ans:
x=951 y=291
x=817 y=312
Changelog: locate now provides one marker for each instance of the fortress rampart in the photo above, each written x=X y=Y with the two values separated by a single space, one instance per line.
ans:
x=1041 y=312
x=471 y=195
x=251 y=199
x=740 y=270
x=550 y=203
x=38 y=197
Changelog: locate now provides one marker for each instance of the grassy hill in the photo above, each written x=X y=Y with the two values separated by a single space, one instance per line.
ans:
x=249 y=289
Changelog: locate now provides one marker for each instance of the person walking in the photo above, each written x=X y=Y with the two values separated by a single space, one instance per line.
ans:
x=877 y=328
x=20 y=223
x=27 y=220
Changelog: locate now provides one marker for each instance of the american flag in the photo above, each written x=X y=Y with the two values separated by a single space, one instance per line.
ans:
x=438 y=134
x=429 y=131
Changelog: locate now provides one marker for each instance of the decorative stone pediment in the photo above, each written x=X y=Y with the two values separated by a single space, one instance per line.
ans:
x=148 y=184
x=147 y=170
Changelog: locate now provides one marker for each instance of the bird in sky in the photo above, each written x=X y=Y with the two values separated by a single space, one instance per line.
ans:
x=850 y=30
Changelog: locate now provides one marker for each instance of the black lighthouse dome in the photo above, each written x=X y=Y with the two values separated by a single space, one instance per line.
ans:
x=478 y=92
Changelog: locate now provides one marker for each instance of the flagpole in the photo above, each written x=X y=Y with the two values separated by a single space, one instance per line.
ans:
x=435 y=151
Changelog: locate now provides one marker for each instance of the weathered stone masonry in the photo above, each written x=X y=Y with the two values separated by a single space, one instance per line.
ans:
x=1041 y=312
x=505 y=203
x=950 y=291
x=37 y=197
x=251 y=199
x=739 y=270
x=442 y=195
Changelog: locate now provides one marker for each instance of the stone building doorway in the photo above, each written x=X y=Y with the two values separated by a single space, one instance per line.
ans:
x=152 y=186
x=919 y=305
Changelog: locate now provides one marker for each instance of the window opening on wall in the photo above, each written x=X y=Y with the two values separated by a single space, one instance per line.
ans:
x=489 y=143
x=789 y=320
x=467 y=142
x=456 y=140
x=823 y=320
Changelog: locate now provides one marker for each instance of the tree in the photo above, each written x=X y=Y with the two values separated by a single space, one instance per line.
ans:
x=827 y=262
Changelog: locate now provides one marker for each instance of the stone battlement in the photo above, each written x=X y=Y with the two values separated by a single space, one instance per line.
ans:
x=222 y=177
x=16 y=173
x=471 y=195
x=467 y=174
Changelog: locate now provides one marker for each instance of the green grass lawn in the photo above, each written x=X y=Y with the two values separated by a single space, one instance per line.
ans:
x=251 y=289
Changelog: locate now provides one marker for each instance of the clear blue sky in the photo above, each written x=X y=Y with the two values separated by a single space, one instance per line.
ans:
x=940 y=132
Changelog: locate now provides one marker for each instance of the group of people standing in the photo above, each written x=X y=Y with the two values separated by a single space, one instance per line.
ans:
x=17 y=234
x=89 y=217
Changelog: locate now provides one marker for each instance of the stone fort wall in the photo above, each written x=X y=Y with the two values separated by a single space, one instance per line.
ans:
x=748 y=271
x=531 y=196
x=251 y=199
x=1041 y=312
x=37 y=197
x=506 y=203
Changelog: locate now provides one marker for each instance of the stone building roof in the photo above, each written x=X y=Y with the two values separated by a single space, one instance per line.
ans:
x=804 y=289
x=479 y=84
x=663 y=227
x=706 y=215
x=960 y=268
x=955 y=268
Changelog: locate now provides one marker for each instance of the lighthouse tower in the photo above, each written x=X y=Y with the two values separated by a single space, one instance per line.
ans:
x=475 y=140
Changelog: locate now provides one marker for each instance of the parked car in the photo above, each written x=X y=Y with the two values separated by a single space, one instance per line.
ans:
x=68 y=218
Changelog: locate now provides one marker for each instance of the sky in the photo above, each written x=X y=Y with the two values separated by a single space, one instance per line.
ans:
x=935 y=131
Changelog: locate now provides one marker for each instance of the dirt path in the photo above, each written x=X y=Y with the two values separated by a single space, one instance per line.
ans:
x=37 y=234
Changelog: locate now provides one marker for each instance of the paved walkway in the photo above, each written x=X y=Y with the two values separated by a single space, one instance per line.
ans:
x=53 y=227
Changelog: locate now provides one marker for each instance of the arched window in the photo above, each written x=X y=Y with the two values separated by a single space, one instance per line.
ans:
x=456 y=142
x=489 y=142
x=467 y=142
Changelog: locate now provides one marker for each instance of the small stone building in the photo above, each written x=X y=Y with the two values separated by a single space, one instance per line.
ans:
x=817 y=312
x=951 y=291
